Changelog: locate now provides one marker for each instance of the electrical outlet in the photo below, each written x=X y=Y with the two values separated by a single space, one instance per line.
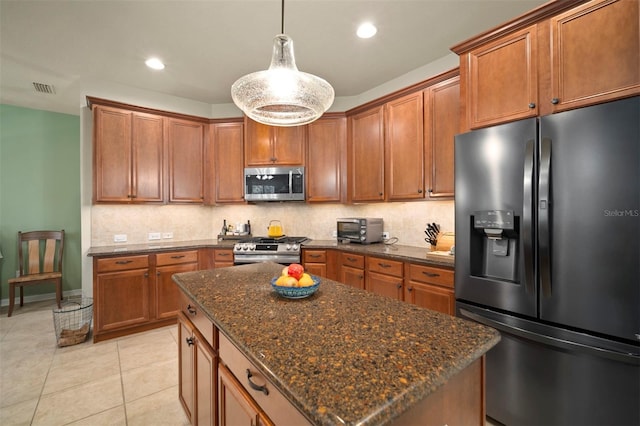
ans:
x=334 y=234
x=120 y=238
x=385 y=235
x=154 y=236
x=167 y=235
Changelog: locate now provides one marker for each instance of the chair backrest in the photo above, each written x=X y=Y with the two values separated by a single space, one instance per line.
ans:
x=40 y=251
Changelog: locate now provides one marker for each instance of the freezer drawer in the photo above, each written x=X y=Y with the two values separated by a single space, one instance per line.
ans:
x=535 y=379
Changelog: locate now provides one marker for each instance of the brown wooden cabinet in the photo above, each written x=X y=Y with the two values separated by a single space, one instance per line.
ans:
x=326 y=159
x=365 y=155
x=352 y=270
x=385 y=277
x=237 y=408
x=595 y=54
x=127 y=157
x=166 y=291
x=186 y=143
x=228 y=153
x=404 y=148
x=441 y=124
x=315 y=262
x=430 y=288
x=271 y=145
x=209 y=258
x=560 y=56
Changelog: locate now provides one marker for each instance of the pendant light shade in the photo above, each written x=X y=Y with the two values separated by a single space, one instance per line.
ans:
x=282 y=95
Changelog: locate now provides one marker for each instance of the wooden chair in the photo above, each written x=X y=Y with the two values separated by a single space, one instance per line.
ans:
x=41 y=264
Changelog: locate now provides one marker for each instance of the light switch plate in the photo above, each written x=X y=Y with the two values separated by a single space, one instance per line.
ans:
x=154 y=236
x=120 y=238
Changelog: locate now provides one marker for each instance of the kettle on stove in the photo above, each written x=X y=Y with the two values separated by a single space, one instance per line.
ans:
x=275 y=229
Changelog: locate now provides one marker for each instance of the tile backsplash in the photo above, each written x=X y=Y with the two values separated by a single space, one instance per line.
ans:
x=406 y=221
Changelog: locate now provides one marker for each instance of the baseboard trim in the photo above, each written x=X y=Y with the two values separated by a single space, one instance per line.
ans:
x=41 y=297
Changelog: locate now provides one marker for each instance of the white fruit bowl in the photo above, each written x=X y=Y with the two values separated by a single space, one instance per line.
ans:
x=296 y=292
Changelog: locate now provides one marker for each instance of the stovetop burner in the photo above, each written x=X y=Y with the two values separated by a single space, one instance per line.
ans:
x=280 y=240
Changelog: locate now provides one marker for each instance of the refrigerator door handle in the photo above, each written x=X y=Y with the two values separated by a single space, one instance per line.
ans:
x=544 y=204
x=567 y=345
x=527 y=217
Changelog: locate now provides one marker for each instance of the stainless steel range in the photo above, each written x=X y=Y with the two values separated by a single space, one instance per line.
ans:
x=284 y=250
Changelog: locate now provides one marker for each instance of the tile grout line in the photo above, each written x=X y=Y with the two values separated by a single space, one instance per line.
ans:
x=124 y=401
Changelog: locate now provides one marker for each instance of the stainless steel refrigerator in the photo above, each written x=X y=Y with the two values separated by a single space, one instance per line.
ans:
x=548 y=252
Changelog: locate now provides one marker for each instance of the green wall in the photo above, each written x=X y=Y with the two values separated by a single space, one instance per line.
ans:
x=39 y=187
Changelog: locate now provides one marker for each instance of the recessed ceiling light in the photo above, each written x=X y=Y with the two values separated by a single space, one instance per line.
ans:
x=154 y=63
x=366 y=30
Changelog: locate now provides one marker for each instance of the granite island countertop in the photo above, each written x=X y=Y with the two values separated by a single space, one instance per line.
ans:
x=343 y=355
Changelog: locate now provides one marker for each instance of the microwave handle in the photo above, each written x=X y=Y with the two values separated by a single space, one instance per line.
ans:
x=290 y=181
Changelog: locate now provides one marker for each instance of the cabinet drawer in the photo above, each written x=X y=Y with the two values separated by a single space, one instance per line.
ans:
x=427 y=274
x=223 y=255
x=353 y=260
x=198 y=318
x=274 y=404
x=122 y=263
x=176 y=257
x=315 y=256
x=385 y=266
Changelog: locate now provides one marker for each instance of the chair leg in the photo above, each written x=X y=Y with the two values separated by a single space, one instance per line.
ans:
x=12 y=297
x=21 y=296
x=59 y=292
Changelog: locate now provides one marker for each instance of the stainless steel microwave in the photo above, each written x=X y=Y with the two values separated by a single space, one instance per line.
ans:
x=274 y=183
x=363 y=230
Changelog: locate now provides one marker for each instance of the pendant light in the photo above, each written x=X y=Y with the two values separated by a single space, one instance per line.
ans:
x=282 y=95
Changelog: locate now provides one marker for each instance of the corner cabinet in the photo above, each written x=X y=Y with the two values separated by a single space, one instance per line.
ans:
x=271 y=145
x=186 y=143
x=128 y=156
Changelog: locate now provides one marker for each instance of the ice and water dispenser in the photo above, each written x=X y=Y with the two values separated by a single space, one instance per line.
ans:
x=494 y=244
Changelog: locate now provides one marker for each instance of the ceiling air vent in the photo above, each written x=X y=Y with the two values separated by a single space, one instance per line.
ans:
x=44 y=88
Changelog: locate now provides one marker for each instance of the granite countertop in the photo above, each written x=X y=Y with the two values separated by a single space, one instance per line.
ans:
x=392 y=251
x=343 y=355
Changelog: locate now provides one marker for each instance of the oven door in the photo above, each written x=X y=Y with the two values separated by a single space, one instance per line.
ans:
x=283 y=259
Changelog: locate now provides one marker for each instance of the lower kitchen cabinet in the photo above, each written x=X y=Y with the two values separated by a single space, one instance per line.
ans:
x=430 y=288
x=315 y=262
x=209 y=258
x=237 y=408
x=166 y=291
x=352 y=270
x=385 y=277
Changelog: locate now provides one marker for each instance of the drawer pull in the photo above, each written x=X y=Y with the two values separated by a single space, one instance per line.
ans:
x=123 y=262
x=315 y=256
x=191 y=310
x=352 y=259
x=224 y=254
x=384 y=265
x=430 y=274
x=254 y=386
x=190 y=341
x=178 y=256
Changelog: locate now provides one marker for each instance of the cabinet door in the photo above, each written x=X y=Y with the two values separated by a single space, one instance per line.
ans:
x=385 y=285
x=595 y=53
x=122 y=299
x=228 y=145
x=186 y=362
x=366 y=156
x=442 y=123
x=503 y=79
x=112 y=155
x=431 y=297
x=206 y=370
x=288 y=145
x=258 y=141
x=352 y=276
x=236 y=408
x=167 y=292
x=404 y=148
x=147 y=158
x=186 y=161
x=315 y=262
x=326 y=148
x=223 y=258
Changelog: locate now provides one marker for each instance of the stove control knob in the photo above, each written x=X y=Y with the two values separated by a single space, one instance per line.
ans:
x=245 y=247
x=288 y=246
x=252 y=247
x=295 y=247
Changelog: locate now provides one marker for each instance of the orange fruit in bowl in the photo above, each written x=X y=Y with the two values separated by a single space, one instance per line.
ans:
x=305 y=280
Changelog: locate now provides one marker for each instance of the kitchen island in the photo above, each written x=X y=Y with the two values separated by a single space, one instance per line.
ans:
x=343 y=355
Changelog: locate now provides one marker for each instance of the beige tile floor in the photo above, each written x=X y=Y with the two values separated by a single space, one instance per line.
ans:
x=127 y=381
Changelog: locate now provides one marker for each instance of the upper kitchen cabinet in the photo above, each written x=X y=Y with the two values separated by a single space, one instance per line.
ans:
x=560 y=56
x=127 y=156
x=186 y=143
x=365 y=155
x=441 y=124
x=326 y=159
x=270 y=145
x=595 y=55
x=404 y=148
x=228 y=157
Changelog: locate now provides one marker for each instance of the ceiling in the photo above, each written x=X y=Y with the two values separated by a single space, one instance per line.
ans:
x=208 y=44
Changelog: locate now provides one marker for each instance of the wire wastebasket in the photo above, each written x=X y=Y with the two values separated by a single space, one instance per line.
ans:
x=72 y=321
